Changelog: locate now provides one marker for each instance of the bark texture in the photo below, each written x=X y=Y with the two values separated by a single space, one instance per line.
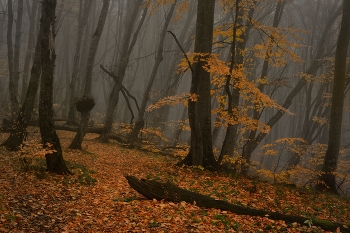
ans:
x=199 y=112
x=54 y=161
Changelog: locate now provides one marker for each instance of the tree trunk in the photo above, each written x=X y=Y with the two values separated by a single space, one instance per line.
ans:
x=152 y=189
x=327 y=179
x=54 y=161
x=17 y=49
x=30 y=48
x=316 y=63
x=18 y=132
x=129 y=41
x=159 y=58
x=87 y=100
x=12 y=89
x=76 y=61
x=201 y=150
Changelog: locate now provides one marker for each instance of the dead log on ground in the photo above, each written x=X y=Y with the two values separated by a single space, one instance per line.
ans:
x=152 y=189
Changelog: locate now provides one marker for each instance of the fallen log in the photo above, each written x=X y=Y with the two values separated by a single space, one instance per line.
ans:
x=152 y=189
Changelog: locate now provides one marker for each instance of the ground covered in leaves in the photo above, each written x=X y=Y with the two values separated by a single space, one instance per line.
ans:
x=97 y=198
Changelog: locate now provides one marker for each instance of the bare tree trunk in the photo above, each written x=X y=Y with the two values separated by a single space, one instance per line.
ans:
x=12 y=88
x=129 y=41
x=18 y=133
x=87 y=102
x=76 y=62
x=30 y=49
x=247 y=149
x=316 y=63
x=54 y=161
x=159 y=58
x=17 y=50
x=327 y=179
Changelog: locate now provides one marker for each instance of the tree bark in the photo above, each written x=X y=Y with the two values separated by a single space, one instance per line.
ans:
x=85 y=113
x=54 y=161
x=17 y=49
x=327 y=179
x=129 y=41
x=152 y=189
x=18 y=132
x=30 y=48
x=12 y=89
x=76 y=61
x=159 y=58
x=201 y=150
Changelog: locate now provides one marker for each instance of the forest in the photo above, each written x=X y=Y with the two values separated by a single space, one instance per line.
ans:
x=174 y=116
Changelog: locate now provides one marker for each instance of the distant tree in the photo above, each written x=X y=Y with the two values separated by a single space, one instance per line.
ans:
x=18 y=132
x=12 y=85
x=87 y=102
x=159 y=58
x=30 y=48
x=128 y=42
x=83 y=18
x=327 y=179
x=199 y=111
x=54 y=161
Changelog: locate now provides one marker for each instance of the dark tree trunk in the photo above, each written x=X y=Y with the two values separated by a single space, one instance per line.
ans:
x=327 y=179
x=152 y=189
x=201 y=150
x=18 y=132
x=54 y=161
x=87 y=101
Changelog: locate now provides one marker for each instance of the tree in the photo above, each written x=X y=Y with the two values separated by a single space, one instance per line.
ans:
x=18 y=132
x=199 y=111
x=87 y=102
x=128 y=43
x=159 y=58
x=54 y=160
x=327 y=179
x=30 y=48
x=83 y=18
x=12 y=85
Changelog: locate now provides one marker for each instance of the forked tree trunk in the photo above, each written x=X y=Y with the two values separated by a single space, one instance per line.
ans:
x=54 y=161
x=159 y=58
x=129 y=41
x=16 y=137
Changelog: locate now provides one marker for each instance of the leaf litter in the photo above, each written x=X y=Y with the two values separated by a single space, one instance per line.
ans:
x=104 y=202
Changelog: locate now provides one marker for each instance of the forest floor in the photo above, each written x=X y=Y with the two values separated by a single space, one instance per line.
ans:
x=36 y=201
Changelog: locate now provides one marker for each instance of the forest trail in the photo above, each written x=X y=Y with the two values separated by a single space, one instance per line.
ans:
x=35 y=201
